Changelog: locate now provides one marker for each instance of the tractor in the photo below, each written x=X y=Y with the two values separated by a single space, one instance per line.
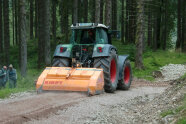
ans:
x=91 y=47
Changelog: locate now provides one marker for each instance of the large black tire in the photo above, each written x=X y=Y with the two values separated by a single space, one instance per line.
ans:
x=60 y=62
x=110 y=69
x=126 y=79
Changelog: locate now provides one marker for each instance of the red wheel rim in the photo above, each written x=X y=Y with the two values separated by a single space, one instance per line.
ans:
x=113 y=70
x=126 y=75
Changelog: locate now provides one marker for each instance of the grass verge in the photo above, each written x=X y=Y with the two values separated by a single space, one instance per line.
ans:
x=23 y=84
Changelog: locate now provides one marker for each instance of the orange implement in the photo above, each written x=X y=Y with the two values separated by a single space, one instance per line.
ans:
x=71 y=79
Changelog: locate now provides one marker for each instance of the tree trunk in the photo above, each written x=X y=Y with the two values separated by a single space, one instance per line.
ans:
x=149 y=27
x=16 y=21
x=46 y=30
x=1 y=34
x=31 y=19
x=127 y=22
x=130 y=25
x=1 y=29
x=155 y=29
x=165 y=26
x=61 y=13
x=65 y=16
x=85 y=11
x=114 y=14
x=40 y=33
x=122 y=22
x=92 y=10
x=132 y=21
x=75 y=12
x=97 y=13
x=108 y=8
x=36 y=18
x=80 y=11
x=178 y=42
x=184 y=28
x=19 y=31
x=23 y=42
x=54 y=3
x=13 y=22
x=159 y=25
x=101 y=11
x=6 y=30
x=182 y=23
x=139 y=35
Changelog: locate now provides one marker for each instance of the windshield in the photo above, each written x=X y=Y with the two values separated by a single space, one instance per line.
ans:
x=82 y=36
x=89 y=36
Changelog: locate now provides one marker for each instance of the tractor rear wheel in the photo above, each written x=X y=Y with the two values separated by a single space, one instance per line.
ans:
x=60 y=62
x=110 y=69
x=126 y=79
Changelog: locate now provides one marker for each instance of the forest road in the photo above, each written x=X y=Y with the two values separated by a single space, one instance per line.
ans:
x=71 y=107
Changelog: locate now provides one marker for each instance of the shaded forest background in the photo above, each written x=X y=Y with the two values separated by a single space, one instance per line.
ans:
x=32 y=28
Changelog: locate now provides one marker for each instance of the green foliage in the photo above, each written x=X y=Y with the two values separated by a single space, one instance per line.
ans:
x=7 y=92
x=169 y=112
x=181 y=121
x=183 y=77
x=124 y=49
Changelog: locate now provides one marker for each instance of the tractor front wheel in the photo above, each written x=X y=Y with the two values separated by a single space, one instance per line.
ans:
x=110 y=69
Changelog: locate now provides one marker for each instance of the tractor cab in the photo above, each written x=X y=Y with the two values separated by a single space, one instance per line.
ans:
x=89 y=33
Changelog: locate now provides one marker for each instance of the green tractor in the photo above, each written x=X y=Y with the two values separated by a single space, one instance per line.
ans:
x=90 y=46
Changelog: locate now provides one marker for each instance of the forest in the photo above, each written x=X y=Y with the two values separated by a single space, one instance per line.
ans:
x=31 y=29
x=138 y=73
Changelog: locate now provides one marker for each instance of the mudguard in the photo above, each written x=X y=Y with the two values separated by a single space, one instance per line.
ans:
x=63 y=50
x=121 y=61
x=105 y=50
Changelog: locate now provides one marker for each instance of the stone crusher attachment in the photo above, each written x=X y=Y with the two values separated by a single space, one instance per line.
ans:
x=90 y=80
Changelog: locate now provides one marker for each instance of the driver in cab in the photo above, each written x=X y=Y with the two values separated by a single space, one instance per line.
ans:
x=90 y=39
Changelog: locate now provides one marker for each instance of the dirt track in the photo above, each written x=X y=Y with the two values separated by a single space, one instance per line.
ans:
x=70 y=107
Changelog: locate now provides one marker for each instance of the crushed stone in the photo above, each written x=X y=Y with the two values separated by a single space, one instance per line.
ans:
x=171 y=72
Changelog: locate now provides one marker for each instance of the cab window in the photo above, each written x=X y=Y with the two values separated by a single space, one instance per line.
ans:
x=101 y=36
x=82 y=36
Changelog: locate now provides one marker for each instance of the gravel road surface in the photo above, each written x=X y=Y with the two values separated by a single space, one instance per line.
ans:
x=74 y=107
